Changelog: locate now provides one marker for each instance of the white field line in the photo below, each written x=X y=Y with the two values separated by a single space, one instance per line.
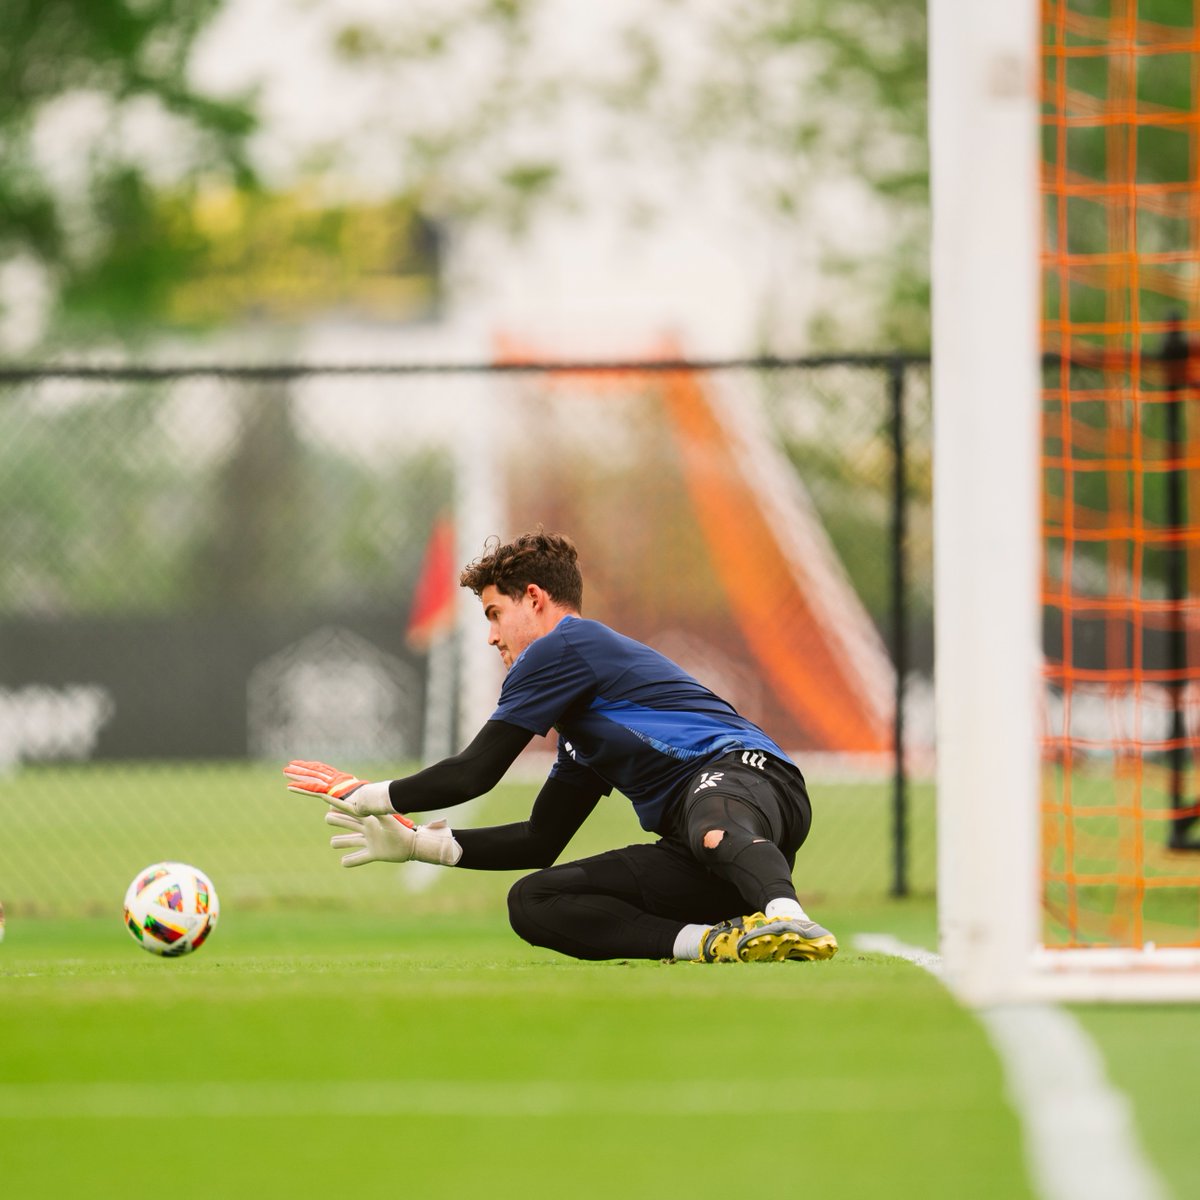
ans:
x=1078 y=1129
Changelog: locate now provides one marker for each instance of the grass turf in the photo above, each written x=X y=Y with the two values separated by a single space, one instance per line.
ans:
x=1152 y=1054
x=361 y=1031
x=295 y=1056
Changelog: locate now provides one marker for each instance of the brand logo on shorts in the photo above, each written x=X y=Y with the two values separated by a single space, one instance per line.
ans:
x=754 y=758
x=707 y=780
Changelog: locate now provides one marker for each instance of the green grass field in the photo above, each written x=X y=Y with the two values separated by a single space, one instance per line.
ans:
x=442 y=1057
x=341 y=1034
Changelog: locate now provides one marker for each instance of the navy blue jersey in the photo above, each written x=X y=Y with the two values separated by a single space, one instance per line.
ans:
x=623 y=712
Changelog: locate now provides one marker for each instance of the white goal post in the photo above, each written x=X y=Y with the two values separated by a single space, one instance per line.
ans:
x=984 y=132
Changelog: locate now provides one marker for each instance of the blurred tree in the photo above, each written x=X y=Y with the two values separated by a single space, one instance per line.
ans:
x=811 y=96
x=96 y=116
x=203 y=260
x=812 y=110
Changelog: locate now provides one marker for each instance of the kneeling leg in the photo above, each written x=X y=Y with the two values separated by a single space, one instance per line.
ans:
x=734 y=841
x=589 y=909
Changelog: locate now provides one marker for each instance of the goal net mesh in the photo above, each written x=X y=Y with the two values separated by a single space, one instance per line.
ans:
x=1121 y=268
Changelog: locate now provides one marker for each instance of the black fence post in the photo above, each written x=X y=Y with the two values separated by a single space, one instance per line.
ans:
x=1175 y=359
x=899 y=606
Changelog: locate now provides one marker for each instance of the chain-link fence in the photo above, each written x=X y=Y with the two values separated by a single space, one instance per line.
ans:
x=207 y=570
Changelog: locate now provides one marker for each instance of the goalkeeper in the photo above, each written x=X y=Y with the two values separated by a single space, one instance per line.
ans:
x=730 y=808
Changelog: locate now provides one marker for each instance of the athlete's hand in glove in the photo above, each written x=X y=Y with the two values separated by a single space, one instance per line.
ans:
x=393 y=838
x=345 y=792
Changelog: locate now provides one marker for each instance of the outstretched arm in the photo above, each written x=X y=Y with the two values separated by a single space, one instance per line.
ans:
x=476 y=770
x=377 y=832
x=471 y=773
x=558 y=811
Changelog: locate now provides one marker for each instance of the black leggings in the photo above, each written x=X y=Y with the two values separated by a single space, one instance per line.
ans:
x=632 y=902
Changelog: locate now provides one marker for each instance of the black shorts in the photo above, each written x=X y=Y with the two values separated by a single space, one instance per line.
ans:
x=770 y=787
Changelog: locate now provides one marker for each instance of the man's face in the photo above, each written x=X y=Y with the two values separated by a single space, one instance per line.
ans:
x=512 y=624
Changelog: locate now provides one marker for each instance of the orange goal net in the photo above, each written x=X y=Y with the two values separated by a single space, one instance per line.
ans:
x=1120 y=451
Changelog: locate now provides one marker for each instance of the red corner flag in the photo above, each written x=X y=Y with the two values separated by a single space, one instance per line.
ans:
x=433 y=602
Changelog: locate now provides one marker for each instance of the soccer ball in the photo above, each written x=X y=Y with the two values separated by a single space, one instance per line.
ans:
x=170 y=908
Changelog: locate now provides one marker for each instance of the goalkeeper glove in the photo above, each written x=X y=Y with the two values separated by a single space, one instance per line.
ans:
x=351 y=795
x=393 y=839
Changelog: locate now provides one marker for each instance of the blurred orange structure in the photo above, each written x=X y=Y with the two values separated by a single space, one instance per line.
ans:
x=762 y=582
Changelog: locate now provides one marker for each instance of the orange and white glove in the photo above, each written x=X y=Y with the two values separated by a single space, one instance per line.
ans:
x=345 y=792
x=393 y=839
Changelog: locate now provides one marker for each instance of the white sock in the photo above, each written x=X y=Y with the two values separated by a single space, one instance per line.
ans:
x=687 y=941
x=785 y=908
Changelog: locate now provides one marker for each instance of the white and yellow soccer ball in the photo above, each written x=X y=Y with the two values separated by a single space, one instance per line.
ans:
x=170 y=908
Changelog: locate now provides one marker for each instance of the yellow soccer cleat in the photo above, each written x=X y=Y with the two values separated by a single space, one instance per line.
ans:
x=720 y=943
x=765 y=940
x=758 y=938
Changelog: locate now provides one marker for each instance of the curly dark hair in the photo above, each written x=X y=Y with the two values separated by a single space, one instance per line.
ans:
x=548 y=559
